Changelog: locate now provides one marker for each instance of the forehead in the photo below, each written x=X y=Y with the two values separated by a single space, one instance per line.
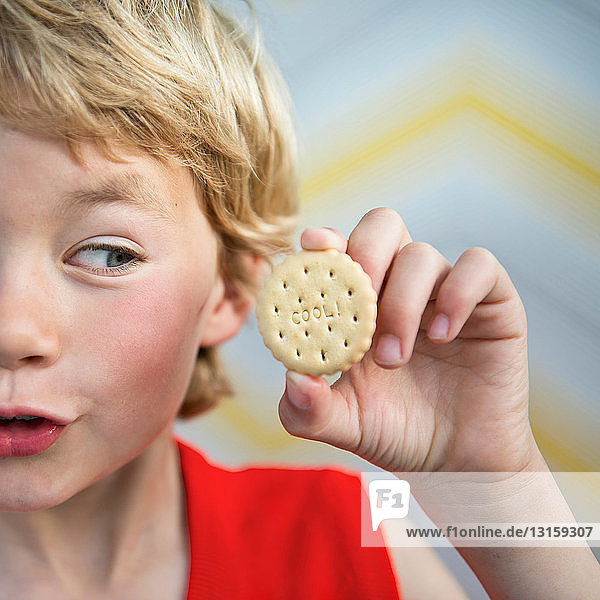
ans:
x=40 y=167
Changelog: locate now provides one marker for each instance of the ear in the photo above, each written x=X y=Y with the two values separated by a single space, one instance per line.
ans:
x=231 y=308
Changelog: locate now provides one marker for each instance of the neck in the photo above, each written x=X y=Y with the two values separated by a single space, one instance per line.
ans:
x=125 y=524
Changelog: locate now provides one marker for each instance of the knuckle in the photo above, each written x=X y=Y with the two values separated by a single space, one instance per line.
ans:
x=426 y=253
x=418 y=248
x=397 y=314
x=384 y=213
x=480 y=253
x=401 y=315
x=388 y=218
x=514 y=321
x=455 y=297
x=289 y=422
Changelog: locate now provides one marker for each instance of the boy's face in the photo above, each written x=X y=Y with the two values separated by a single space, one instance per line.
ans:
x=103 y=304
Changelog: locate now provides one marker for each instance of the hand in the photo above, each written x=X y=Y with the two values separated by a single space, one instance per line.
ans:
x=445 y=383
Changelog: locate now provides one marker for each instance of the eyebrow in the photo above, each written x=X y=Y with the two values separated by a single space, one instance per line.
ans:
x=130 y=189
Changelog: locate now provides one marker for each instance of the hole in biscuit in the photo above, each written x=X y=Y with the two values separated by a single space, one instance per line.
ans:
x=331 y=274
x=285 y=285
x=299 y=300
x=281 y=335
x=355 y=319
x=305 y=270
x=297 y=352
x=306 y=332
x=349 y=292
x=346 y=343
x=329 y=328
x=322 y=294
x=322 y=354
x=276 y=310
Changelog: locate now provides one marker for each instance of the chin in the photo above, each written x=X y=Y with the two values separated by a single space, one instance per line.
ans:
x=31 y=501
x=20 y=493
x=25 y=504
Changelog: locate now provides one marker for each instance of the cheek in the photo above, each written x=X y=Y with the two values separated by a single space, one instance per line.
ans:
x=142 y=346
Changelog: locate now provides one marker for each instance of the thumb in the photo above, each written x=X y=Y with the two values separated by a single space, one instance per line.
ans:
x=310 y=409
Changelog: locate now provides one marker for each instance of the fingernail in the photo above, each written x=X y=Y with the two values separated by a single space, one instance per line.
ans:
x=295 y=394
x=439 y=328
x=389 y=350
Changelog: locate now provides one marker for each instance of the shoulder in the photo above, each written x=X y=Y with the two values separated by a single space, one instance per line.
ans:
x=194 y=462
x=288 y=525
x=290 y=495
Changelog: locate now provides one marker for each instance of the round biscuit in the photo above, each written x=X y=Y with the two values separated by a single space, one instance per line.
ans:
x=316 y=312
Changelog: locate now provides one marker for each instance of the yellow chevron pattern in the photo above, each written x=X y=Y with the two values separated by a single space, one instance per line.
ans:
x=537 y=135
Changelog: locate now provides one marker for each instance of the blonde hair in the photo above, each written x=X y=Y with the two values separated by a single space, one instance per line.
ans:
x=177 y=79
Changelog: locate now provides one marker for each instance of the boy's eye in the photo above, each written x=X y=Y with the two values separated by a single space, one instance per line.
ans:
x=105 y=259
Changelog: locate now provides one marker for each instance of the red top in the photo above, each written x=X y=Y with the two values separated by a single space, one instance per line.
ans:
x=270 y=533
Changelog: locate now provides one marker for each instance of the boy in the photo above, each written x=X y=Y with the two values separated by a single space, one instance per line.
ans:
x=146 y=174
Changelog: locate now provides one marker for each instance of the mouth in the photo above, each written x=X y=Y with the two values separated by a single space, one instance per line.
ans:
x=27 y=435
x=22 y=422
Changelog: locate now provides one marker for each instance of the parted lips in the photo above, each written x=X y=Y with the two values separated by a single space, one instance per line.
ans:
x=317 y=311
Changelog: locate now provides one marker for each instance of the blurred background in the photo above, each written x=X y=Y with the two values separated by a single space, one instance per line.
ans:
x=479 y=122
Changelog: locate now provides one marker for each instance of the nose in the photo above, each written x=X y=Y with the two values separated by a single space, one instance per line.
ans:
x=27 y=334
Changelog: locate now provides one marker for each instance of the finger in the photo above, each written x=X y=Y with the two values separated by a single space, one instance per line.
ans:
x=416 y=274
x=477 y=277
x=323 y=238
x=376 y=240
x=310 y=409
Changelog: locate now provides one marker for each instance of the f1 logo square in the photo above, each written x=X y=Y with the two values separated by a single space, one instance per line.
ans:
x=389 y=499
